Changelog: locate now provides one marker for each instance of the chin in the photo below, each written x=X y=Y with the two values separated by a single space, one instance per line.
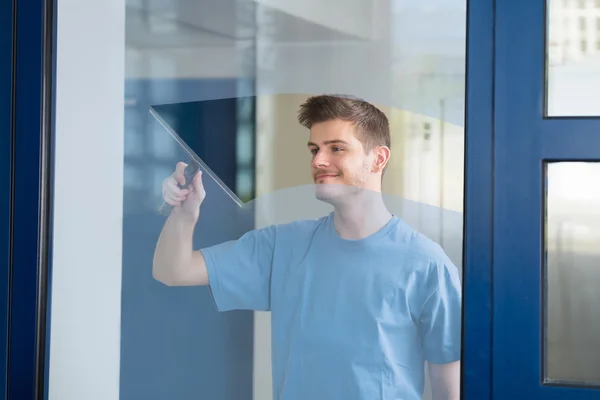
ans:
x=330 y=192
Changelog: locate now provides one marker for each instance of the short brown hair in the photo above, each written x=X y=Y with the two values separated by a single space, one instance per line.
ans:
x=372 y=124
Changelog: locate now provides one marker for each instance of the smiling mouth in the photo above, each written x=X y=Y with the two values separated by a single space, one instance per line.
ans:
x=324 y=177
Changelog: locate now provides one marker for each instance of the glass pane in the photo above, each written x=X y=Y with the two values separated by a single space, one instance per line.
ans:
x=573 y=47
x=572 y=281
x=229 y=77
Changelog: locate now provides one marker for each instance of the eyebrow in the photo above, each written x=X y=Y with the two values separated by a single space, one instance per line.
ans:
x=329 y=142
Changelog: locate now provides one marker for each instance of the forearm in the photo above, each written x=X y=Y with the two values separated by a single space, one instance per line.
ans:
x=445 y=381
x=173 y=256
x=445 y=393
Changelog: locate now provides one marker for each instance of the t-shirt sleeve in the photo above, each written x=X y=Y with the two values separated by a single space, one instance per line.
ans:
x=239 y=271
x=440 y=318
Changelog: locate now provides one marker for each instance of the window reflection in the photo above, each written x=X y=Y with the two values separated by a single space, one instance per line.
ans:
x=572 y=49
x=572 y=274
x=407 y=58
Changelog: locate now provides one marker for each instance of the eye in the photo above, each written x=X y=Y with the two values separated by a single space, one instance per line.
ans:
x=314 y=151
x=336 y=149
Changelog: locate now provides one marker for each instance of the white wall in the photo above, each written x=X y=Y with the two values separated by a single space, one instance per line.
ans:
x=88 y=190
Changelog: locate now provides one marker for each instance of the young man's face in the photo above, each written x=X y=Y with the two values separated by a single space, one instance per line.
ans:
x=339 y=165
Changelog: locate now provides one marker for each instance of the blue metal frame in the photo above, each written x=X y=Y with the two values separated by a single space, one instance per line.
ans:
x=6 y=139
x=476 y=348
x=523 y=140
x=30 y=198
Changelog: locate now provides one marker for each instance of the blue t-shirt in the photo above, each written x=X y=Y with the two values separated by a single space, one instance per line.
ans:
x=350 y=319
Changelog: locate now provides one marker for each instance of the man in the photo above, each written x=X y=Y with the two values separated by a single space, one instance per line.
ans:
x=358 y=299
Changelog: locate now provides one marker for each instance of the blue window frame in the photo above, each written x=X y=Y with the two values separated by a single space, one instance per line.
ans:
x=476 y=379
x=524 y=139
x=6 y=139
x=25 y=75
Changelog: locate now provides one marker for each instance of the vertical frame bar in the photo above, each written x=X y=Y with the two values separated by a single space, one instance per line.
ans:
x=518 y=106
x=7 y=16
x=476 y=374
x=31 y=196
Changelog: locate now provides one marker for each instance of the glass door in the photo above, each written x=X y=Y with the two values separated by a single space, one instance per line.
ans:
x=228 y=77
x=546 y=326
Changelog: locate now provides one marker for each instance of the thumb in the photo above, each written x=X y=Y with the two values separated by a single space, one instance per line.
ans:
x=179 y=170
x=197 y=182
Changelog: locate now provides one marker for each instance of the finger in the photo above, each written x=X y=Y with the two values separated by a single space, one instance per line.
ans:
x=171 y=198
x=172 y=201
x=195 y=185
x=181 y=197
x=197 y=181
x=183 y=193
x=170 y=189
x=170 y=186
x=179 y=173
x=180 y=179
x=180 y=167
x=199 y=188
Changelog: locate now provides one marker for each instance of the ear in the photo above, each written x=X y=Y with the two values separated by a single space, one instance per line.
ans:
x=381 y=157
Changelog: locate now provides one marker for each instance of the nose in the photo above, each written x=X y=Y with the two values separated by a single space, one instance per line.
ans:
x=320 y=160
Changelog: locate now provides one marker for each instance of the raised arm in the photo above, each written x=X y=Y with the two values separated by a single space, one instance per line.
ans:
x=175 y=261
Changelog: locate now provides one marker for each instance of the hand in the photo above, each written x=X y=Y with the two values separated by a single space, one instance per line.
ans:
x=185 y=201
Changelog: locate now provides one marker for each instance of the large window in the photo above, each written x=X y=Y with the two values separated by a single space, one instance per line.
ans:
x=228 y=77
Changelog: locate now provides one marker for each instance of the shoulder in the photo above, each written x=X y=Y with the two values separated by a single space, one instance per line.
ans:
x=425 y=255
x=418 y=246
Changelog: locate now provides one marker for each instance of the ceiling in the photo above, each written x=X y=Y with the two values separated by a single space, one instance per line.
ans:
x=160 y=24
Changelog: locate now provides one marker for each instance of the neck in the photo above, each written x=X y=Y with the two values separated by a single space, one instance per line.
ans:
x=361 y=216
